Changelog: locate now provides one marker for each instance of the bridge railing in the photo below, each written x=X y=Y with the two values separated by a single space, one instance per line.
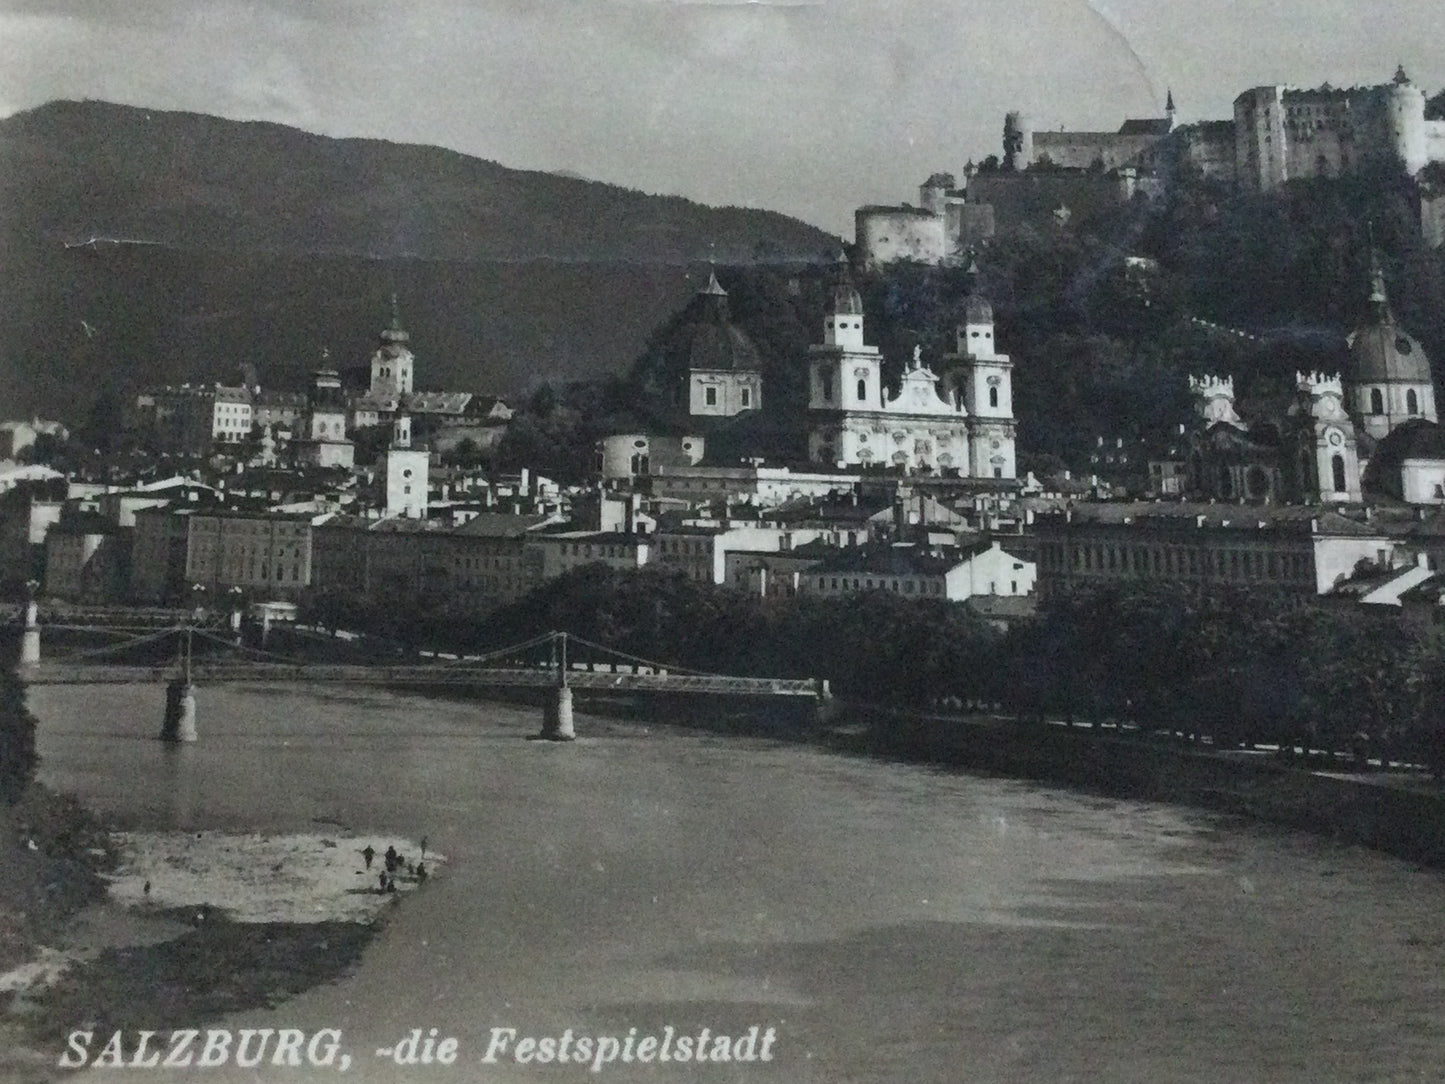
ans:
x=61 y=673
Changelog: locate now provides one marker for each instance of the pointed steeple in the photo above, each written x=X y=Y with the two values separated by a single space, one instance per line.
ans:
x=395 y=333
x=1379 y=298
x=713 y=287
x=1169 y=107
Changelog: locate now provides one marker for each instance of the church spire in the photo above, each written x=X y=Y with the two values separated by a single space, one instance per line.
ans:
x=1379 y=297
x=1169 y=107
x=395 y=333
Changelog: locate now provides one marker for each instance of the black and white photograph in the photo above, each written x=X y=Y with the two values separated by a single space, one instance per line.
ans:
x=750 y=541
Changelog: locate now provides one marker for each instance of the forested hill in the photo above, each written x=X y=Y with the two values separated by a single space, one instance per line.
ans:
x=1253 y=286
x=138 y=245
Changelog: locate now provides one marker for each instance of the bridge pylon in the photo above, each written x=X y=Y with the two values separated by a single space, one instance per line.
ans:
x=179 y=722
x=557 y=707
x=30 y=637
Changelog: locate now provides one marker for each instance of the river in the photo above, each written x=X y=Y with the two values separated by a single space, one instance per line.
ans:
x=890 y=922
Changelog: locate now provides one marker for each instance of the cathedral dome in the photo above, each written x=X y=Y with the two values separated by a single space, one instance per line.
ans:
x=977 y=310
x=1384 y=353
x=717 y=344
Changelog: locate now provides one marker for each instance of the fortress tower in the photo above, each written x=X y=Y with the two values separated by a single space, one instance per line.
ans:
x=1405 y=108
x=1018 y=141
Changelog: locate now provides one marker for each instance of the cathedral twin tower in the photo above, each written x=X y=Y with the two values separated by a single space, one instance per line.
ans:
x=957 y=420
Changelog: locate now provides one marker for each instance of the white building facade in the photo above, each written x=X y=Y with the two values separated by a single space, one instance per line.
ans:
x=959 y=421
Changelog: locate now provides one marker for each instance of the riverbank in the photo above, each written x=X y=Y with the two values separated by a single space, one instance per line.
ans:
x=1399 y=814
x=188 y=926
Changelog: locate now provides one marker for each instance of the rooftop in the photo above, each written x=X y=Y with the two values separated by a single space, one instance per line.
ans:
x=1303 y=519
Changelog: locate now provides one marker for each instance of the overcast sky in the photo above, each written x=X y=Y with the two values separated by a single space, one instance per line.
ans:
x=806 y=106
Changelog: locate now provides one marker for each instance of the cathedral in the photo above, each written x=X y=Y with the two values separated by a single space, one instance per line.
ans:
x=1319 y=450
x=958 y=420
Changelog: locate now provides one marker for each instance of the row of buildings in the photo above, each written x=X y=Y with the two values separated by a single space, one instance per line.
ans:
x=318 y=426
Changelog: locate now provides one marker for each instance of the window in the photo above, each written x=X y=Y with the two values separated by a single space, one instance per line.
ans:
x=1337 y=466
x=863 y=391
x=1377 y=401
x=747 y=397
x=710 y=396
x=1412 y=402
x=826 y=379
x=993 y=397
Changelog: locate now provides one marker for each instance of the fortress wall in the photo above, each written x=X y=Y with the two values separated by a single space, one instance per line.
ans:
x=887 y=234
x=1032 y=197
x=1435 y=140
x=1082 y=150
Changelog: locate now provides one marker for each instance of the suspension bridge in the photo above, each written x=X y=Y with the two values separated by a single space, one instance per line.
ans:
x=195 y=650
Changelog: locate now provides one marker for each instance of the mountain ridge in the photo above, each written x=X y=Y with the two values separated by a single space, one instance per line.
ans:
x=146 y=223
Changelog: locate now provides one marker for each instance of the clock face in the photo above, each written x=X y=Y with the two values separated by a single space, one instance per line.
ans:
x=1336 y=438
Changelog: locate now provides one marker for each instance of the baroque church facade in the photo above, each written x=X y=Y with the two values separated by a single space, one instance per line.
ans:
x=1319 y=450
x=957 y=420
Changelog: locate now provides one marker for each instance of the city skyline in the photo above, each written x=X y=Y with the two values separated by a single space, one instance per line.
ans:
x=807 y=108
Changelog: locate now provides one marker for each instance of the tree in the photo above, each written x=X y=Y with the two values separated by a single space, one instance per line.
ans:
x=17 y=737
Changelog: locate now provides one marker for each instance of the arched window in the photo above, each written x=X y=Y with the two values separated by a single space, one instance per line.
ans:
x=1412 y=402
x=1377 y=401
x=863 y=391
x=993 y=397
x=1337 y=465
x=826 y=379
x=1226 y=481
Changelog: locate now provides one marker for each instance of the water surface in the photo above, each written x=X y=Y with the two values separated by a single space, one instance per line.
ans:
x=892 y=922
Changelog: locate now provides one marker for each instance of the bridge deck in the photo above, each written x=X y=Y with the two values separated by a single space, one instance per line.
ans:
x=61 y=673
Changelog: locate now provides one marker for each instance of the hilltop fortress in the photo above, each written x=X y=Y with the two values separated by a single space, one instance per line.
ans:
x=1278 y=134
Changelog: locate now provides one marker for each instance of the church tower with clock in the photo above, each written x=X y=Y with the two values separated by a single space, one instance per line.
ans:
x=1329 y=460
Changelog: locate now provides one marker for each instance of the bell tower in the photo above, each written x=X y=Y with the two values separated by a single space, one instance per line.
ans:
x=393 y=365
x=1328 y=451
x=407 y=468
x=978 y=380
x=845 y=381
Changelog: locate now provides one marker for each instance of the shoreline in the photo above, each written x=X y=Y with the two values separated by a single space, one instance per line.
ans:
x=204 y=924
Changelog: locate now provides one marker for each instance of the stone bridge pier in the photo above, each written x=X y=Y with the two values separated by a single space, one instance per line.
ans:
x=179 y=723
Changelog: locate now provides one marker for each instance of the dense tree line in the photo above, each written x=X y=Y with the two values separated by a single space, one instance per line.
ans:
x=17 y=733
x=1236 y=667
